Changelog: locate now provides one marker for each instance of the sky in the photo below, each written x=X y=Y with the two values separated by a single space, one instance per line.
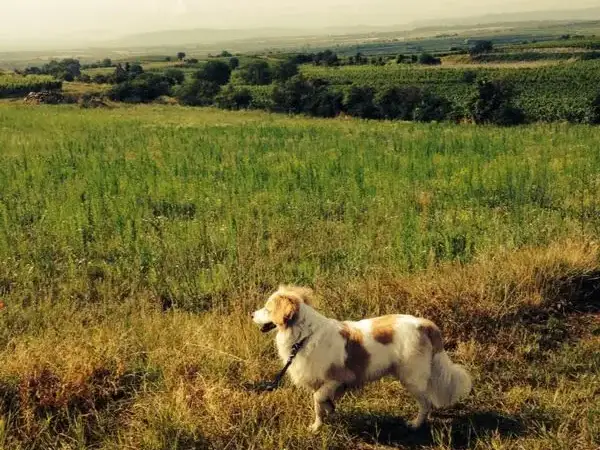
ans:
x=49 y=19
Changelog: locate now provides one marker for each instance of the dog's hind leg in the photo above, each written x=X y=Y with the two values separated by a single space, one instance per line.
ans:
x=424 y=409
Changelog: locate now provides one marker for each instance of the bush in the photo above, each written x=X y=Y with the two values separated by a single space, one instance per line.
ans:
x=326 y=103
x=257 y=73
x=198 y=93
x=234 y=63
x=285 y=70
x=360 y=102
x=174 y=76
x=481 y=47
x=397 y=103
x=492 y=104
x=595 y=110
x=216 y=72
x=429 y=59
x=432 y=108
x=293 y=96
x=145 y=88
x=232 y=98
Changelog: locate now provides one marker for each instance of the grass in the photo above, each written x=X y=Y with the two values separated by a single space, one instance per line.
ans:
x=135 y=241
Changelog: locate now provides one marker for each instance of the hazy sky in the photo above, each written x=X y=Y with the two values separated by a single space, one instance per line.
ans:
x=46 y=19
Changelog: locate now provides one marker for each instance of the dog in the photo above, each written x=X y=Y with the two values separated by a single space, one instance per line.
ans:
x=334 y=356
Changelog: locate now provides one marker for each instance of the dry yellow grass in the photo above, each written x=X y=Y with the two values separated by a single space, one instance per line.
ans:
x=131 y=375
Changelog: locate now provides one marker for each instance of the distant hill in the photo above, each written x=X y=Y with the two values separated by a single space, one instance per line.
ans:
x=533 y=16
x=203 y=36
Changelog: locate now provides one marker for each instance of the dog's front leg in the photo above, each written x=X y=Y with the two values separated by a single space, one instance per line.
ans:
x=323 y=399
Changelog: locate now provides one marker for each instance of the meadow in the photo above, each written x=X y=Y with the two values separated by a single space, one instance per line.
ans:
x=135 y=241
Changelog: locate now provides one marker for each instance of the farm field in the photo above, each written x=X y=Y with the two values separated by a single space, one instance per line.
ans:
x=135 y=241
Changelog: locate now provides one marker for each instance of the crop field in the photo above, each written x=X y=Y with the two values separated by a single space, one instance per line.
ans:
x=135 y=241
x=11 y=85
x=545 y=93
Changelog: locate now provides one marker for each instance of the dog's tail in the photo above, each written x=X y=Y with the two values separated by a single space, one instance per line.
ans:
x=448 y=382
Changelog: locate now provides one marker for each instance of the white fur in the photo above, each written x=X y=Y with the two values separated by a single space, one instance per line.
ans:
x=431 y=378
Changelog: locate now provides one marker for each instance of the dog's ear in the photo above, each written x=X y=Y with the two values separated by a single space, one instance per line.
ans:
x=285 y=309
x=303 y=293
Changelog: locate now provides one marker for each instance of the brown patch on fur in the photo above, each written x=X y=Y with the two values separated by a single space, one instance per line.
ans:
x=284 y=309
x=304 y=294
x=383 y=328
x=433 y=334
x=357 y=358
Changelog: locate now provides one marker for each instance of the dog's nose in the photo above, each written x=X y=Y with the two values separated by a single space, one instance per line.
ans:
x=252 y=315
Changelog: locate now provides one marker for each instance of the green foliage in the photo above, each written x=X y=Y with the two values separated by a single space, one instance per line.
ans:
x=234 y=98
x=562 y=92
x=197 y=92
x=284 y=70
x=234 y=63
x=181 y=56
x=397 y=102
x=429 y=60
x=144 y=88
x=493 y=104
x=214 y=71
x=175 y=76
x=359 y=102
x=481 y=47
x=257 y=72
x=14 y=85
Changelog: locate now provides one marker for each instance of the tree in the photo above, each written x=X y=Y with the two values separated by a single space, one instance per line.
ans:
x=233 y=98
x=225 y=54
x=181 y=56
x=397 y=102
x=257 y=72
x=174 y=76
x=360 y=102
x=214 y=71
x=234 y=63
x=106 y=62
x=429 y=59
x=198 y=92
x=135 y=70
x=284 y=70
x=432 y=108
x=481 y=47
x=145 y=88
x=293 y=96
x=492 y=104
x=595 y=110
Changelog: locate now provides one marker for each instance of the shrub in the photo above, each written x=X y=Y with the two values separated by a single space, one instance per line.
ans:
x=432 y=108
x=232 y=98
x=285 y=70
x=145 y=88
x=397 y=103
x=174 y=76
x=257 y=73
x=429 y=59
x=359 y=102
x=198 y=93
x=217 y=72
x=492 y=104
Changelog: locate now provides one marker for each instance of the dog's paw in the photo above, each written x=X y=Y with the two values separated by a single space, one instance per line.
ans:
x=315 y=427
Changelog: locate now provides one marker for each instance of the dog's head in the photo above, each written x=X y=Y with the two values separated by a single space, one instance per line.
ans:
x=282 y=308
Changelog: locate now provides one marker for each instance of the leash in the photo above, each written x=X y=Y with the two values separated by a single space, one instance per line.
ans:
x=270 y=386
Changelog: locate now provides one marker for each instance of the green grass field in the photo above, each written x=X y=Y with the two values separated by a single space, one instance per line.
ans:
x=135 y=241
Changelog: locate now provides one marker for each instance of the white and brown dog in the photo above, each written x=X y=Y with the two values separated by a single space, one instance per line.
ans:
x=338 y=355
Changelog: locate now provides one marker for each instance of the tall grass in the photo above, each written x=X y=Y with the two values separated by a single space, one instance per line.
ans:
x=118 y=226
x=194 y=211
